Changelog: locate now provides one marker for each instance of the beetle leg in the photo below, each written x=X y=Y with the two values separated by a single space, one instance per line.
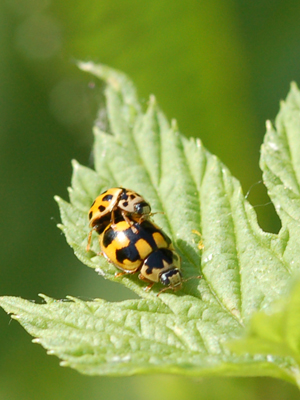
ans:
x=118 y=274
x=148 y=288
x=90 y=238
x=143 y=278
x=164 y=289
x=129 y=222
x=112 y=219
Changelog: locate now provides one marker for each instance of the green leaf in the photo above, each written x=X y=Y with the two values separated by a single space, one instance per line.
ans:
x=244 y=270
x=275 y=334
x=134 y=336
x=280 y=162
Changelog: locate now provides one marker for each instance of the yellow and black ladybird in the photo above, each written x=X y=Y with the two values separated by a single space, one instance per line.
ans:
x=142 y=247
x=115 y=202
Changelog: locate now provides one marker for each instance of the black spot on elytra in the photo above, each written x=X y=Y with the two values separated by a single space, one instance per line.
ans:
x=156 y=259
x=149 y=227
x=127 y=253
x=145 y=231
x=132 y=196
x=124 y=196
x=99 y=224
x=108 y=197
x=101 y=208
x=125 y=204
x=109 y=237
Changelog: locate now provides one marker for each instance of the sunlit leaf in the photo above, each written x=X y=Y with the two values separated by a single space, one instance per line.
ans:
x=244 y=270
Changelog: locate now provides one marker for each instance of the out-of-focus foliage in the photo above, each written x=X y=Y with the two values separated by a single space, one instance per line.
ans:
x=218 y=67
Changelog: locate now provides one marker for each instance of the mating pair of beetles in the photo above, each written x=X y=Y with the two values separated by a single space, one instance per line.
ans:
x=130 y=241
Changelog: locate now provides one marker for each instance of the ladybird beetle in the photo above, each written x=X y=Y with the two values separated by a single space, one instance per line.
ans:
x=113 y=203
x=147 y=250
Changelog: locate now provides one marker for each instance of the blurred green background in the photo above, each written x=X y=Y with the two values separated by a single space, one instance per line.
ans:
x=218 y=67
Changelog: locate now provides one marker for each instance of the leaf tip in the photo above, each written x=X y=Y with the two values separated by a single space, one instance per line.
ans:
x=174 y=125
x=58 y=199
x=282 y=103
x=64 y=364
x=198 y=143
x=294 y=86
x=46 y=298
x=152 y=100
x=85 y=65
x=75 y=164
x=74 y=299
x=61 y=227
x=269 y=126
